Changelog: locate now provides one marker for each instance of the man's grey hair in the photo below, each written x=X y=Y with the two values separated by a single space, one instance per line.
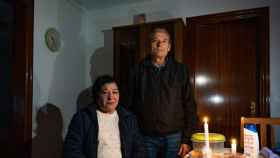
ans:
x=156 y=30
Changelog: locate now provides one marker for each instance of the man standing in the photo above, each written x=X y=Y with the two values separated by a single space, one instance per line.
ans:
x=160 y=94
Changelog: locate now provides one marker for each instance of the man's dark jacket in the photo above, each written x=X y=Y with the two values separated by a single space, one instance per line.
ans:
x=82 y=138
x=162 y=98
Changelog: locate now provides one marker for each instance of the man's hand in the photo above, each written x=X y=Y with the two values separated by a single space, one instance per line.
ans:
x=184 y=149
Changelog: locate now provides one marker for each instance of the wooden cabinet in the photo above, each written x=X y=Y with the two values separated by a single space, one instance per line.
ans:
x=132 y=44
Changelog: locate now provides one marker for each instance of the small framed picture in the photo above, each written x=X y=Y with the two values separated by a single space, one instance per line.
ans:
x=139 y=18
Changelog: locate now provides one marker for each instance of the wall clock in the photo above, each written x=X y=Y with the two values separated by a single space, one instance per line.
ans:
x=53 y=39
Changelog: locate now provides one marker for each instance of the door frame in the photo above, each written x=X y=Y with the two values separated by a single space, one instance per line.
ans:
x=23 y=89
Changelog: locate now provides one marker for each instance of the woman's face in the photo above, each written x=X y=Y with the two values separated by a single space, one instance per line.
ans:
x=108 y=97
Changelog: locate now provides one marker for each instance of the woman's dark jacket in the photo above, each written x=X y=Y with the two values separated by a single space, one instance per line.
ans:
x=162 y=98
x=82 y=138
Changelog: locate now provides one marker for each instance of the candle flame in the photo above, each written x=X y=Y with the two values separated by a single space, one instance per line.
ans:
x=233 y=141
x=205 y=119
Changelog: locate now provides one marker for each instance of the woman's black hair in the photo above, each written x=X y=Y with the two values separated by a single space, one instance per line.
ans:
x=99 y=83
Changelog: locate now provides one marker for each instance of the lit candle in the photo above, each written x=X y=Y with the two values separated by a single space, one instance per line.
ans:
x=233 y=146
x=206 y=132
x=206 y=135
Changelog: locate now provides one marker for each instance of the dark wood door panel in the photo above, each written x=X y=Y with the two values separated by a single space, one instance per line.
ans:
x=6 y=110
x=240 y=71
x=226 y=67
x=126 y=54
x=16 y=37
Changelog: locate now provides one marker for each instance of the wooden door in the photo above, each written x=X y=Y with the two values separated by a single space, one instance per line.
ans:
x=16 y=34
x=229 y=63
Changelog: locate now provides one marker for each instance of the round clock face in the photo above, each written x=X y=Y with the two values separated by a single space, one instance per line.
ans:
x=52 y=38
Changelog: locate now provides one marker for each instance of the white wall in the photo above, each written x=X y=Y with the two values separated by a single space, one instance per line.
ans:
x=58 y=78
x=164 y=9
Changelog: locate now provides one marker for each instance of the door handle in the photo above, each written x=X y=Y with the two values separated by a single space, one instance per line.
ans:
x=253 y=109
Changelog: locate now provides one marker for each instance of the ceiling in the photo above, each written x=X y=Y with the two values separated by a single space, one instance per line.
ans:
x=102 y=4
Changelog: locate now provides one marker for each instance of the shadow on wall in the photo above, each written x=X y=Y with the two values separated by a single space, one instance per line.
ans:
x=84 y=98
x=96 y=60
x=101 y=62
x=48 y=142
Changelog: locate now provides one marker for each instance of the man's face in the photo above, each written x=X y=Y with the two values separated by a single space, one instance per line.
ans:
x=160 y=45
x=108 y=98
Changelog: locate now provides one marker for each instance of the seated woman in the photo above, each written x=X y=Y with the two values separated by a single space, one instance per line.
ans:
x=103 y=129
